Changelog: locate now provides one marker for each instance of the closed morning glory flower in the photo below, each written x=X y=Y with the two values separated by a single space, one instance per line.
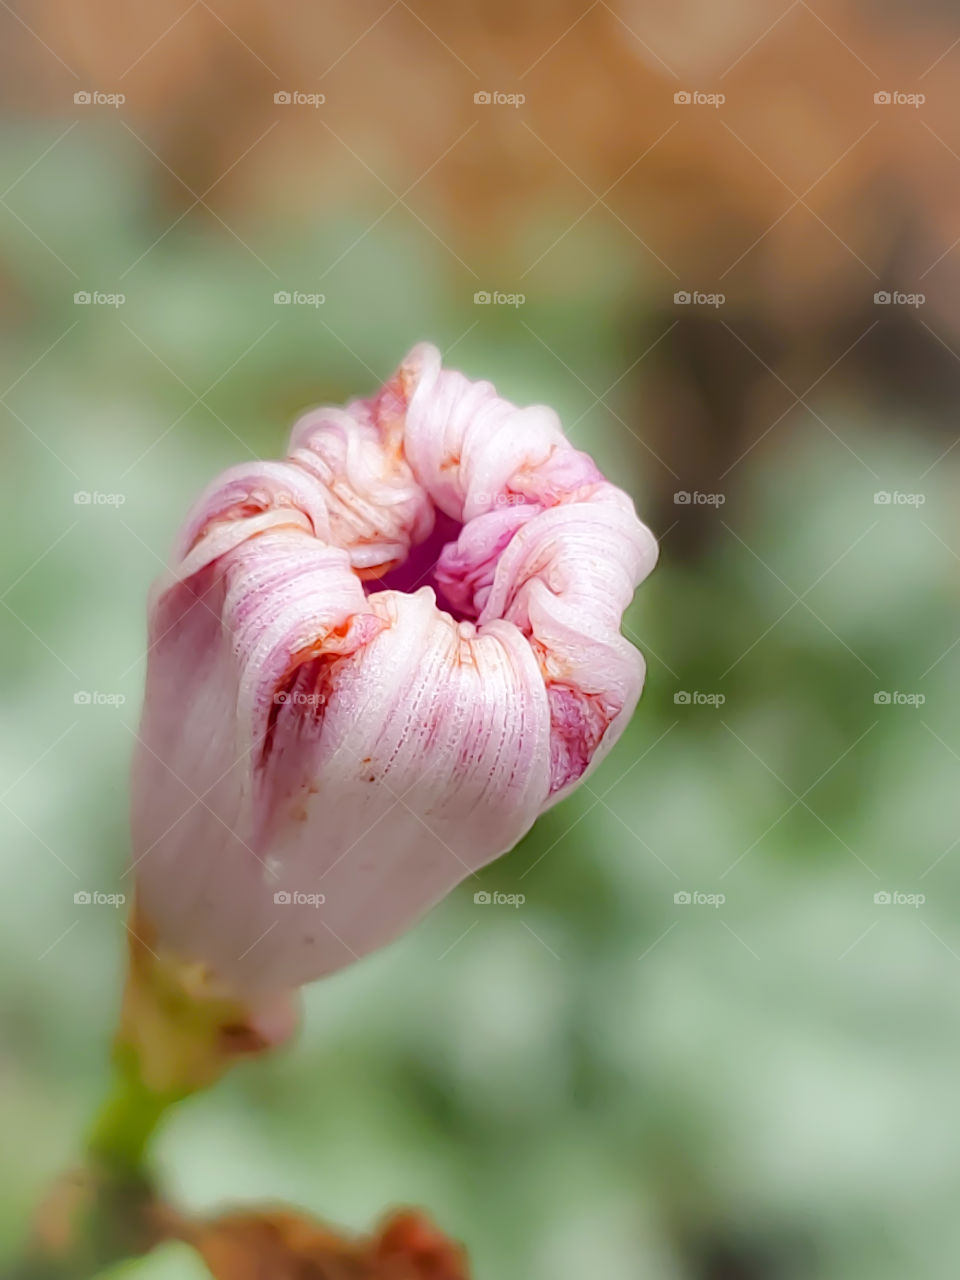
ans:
x=374 y=664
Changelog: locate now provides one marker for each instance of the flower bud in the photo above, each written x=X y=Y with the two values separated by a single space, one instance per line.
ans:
x=373 y=665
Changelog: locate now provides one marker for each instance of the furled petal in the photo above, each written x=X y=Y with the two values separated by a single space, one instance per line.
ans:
x=562 y=566
x=377 y=511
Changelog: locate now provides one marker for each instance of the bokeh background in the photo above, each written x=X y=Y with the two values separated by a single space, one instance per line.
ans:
x=606 y=1081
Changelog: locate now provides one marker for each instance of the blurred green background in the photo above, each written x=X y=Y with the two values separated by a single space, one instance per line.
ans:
x=605 y=1081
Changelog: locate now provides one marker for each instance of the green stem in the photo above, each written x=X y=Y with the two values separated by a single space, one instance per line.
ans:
x=107 y=1211
x=178 y=1033
x=127 y=1120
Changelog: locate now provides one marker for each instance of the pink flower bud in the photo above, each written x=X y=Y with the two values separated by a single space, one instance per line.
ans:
x=373 y=666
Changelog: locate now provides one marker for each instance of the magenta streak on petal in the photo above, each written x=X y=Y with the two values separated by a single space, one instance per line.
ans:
x=578 y=722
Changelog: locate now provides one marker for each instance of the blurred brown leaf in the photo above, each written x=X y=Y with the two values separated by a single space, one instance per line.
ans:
x=283 y=1245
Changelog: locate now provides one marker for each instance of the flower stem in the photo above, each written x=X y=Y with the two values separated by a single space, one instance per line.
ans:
x=127 y=1120
x=179 y=1031
x=106 y=1210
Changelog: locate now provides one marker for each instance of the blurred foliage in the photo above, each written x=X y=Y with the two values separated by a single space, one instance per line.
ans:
x=601 y=1082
